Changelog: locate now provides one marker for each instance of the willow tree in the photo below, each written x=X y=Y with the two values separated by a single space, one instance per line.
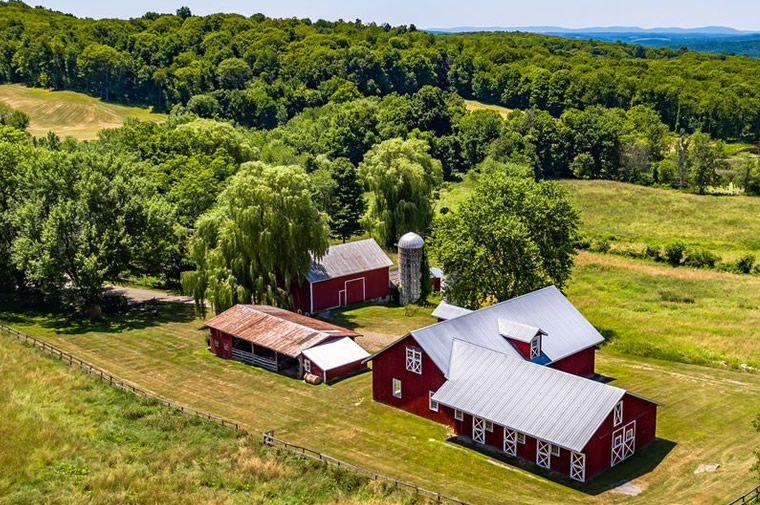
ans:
x=402 y=176
x=257 y=240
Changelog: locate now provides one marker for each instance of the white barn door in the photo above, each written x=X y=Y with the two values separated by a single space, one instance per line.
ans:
x=543 y=454
x=510 y=442
x=478 y=430
x=623 y=443
x=578 y=466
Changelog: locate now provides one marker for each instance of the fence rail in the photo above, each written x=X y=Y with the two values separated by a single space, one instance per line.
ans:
x=113 y=380
x=272 y=441
x=751 y=497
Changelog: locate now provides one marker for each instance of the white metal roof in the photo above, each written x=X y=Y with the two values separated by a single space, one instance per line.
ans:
x=567 y=330
x=336 y=353
x=518 y=331
x=542 y=402
x=436 y=272
x=347 y=259
x=446 y=311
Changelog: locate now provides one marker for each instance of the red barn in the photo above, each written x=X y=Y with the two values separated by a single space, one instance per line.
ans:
x=277 y=339
x=513 y=377
x=349 y=273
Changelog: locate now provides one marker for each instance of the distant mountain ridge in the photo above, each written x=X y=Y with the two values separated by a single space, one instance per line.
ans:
x=719 y=31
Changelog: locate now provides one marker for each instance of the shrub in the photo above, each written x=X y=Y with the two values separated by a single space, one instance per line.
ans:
x=601 y=245
x=701 y=258
x=653 y=252
x=582 y=241
x=745 y=263
x=674 y=252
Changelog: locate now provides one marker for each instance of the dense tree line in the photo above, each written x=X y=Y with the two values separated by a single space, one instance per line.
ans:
x=260 y=71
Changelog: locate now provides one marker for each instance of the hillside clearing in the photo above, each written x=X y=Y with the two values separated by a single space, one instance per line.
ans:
x=472 y=105
x=168 y=355
x=68 y=113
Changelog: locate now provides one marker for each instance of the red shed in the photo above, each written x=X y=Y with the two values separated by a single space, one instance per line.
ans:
x=275 y=339
x=486 y=355
x=349 y=273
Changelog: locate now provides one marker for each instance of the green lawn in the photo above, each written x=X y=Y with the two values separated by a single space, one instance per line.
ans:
x=707 y=417
x=66 y=437
x=69 y=113
x=472 y=105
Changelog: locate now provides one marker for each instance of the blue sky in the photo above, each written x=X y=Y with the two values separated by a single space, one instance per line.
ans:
x=741 y=14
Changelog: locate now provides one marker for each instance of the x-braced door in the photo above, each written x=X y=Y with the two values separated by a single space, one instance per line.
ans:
x=478 y=430
x=543 y=454
x=623 y=443
x=578 y=466
x=510 y=442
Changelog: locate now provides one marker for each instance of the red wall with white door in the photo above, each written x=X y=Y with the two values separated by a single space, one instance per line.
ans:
x=358 y=287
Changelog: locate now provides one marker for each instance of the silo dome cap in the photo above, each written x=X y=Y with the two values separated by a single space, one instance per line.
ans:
x=411 y=241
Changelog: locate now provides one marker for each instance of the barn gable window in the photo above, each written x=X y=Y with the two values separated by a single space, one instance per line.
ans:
x=535 y=347
x=458 y=415
x=414 y=360
x=617 y=414
x=397 y=388
x=433 y=405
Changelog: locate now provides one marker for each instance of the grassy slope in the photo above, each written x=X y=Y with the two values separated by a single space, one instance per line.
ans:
x=638 y=214
x=67 y=438
x=475 y=105
x=707 y=418
x=68 y=113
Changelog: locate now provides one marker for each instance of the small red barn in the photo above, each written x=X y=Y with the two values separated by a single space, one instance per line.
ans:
x=349 y=273
x=513 y=377
x=276 y=339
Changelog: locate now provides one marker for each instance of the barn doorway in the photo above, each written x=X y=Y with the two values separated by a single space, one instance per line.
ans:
x=354 y=291
x=543 y=454
x=510 y=442
x=478 y=430
x=623 y=443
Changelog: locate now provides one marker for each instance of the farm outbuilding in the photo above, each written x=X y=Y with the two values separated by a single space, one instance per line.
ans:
x=514 y=378
x=349 y=273
x=276 y=339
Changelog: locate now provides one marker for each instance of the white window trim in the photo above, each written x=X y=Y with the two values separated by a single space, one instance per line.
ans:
x=432 y=404
x=414 y=360
x=535 y=350
x=307 y=365
x=555 y=451
x=520 y=438
x=393 y=385
x=617 y=414
x=489 y=426
x=458 y=415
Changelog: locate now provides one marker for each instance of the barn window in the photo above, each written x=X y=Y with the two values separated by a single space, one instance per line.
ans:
x=433 y=404
x=414 y=360
x=617 y=414
x=629 y=434
x=226 y=347
x=216 y=343
x=555 y=450
x=397 y=388
x=458 y=415
x=489 y=426
x=535 y=347
x=307 y=366
x=520 y=438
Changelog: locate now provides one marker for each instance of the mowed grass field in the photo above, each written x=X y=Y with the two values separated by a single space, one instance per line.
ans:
x=68 y=113
x=476 y=105
x=67 y=437
x=707 y=416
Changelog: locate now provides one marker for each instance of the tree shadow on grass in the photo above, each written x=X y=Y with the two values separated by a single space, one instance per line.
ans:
x=641 y=463
x=138 y=316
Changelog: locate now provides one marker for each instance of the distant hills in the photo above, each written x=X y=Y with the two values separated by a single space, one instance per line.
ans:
x=719 y=39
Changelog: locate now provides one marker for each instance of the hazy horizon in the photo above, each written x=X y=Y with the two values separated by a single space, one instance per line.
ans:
x=738 y=14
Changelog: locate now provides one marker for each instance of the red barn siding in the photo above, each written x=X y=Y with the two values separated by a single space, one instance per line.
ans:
x=581 y=363
x=354 y=288
x=221 y=343
x=523 y=347
x=415 y=388
x=335 y=373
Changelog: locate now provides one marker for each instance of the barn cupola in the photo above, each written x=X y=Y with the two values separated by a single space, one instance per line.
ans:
x=526 y=339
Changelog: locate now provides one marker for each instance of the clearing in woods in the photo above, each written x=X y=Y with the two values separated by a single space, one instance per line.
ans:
x=68 y=113
x=475 y=105
x=707 y=416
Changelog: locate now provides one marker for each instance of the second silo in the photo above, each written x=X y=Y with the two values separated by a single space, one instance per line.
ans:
x=410 y=251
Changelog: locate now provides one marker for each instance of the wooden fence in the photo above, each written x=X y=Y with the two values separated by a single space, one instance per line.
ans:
x=433 y=497
x=110 y=378
x=751 y=497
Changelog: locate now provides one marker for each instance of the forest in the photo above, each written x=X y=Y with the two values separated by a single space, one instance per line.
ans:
x=285 y=134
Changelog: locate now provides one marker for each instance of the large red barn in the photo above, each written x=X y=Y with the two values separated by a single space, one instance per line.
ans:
x=348 y=273
x=514 y=377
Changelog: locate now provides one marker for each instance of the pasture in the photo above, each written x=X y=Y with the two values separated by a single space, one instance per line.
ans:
x=706 y=419
x=68 y=113
x=472 y=105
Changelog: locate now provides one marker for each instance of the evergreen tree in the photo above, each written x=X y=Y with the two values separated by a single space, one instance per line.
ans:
x=348 y=200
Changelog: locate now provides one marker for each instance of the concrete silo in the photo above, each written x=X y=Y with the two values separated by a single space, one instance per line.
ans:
x=410 y=251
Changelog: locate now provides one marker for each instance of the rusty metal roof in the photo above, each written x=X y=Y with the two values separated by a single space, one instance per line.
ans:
x=278 y=329
x=347 y=259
